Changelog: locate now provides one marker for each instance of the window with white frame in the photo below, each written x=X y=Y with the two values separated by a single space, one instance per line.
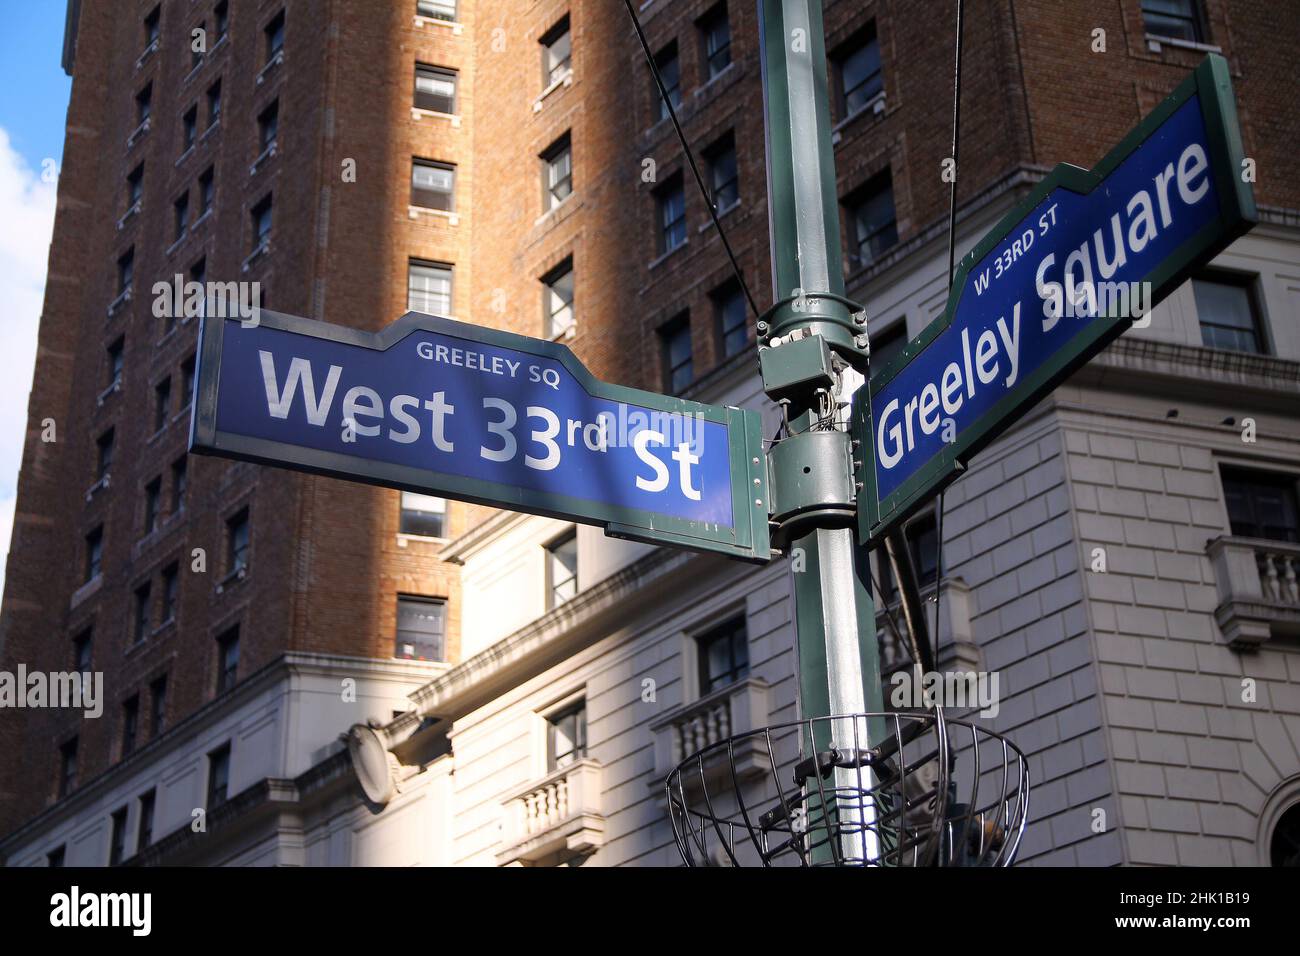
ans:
x=557 y=172
x=423 y=515
x=561 y=570
x=435 y=89
x=557 y=51
x=566 y=736
x=421 y=628
x=557 y=300
x=433 y=185
x=428 y=287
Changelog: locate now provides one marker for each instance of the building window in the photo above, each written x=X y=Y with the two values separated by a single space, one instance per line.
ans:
x=205 y=191
x=557 y=299
x=423 y=515
x=670 y=202
x=1177 y=19
x=171 y=585
x=557 y=49
x=144 y=833
x=135 y=186
x=130 y=723
x=103 y=455
x=724 y=184
x=237 y=541
x=428 y=287
x=152 y=504
x=157 y=706
x=1226 y=308
x=872 y=226
x=733 y=326
x=221 y=14
x=67 y=767
x=54 y=859
x=421 y=627
x=218 y=776
x=715 y=32
x=268 y=126
x=180 y=471
x=180 y=216
x=262 y=223
x=140 y=629
x=94 y=552
x=189 y=126
x=435 y=89
x=888 y=343
x=81 y=652
x=723 y=654
x=187 y=382
x=858 y=79
x=561 y=570
x=557 y=173
x=566 y=736
x=116 y=358
x=274 y=32
x=1261 y=504
x=162 y=400
x=433 y=185
x=670 y=72
x=143 y=103
x=227 y=659
x=214 y=103
x=125 y=270
x=923 y=547
x=437 y=9
x=117 y=841
x=675 y=343
x=151 y=25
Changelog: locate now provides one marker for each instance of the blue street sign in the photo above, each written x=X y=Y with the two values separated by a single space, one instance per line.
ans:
x=476 y=414
x=1085 y=256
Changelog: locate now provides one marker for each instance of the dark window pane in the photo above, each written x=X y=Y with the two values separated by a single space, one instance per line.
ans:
x=1261 y=505
x=421 y=626
x=1226 y=311
x=435 y=89
x=567 y=736
x=562 y=570
x=723 y=655
x=423 y=515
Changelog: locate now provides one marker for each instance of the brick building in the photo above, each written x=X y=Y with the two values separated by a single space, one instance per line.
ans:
x=508 y=164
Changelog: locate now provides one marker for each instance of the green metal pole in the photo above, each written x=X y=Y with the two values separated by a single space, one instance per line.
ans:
x=813 y=326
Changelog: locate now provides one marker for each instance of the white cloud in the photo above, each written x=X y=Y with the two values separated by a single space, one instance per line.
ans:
x=27 y=212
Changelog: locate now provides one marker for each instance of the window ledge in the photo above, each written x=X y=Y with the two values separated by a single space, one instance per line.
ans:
x=189 y=151
x=657 y=262
x=194 y=70
x=1155 y=42
x=98 y=486
x=564 y=81
x=123 y=299
x=722 y=214
x=231 y=579
x=418 y=113
x=86 y=590
x=138 y=133
x=420 y=22
x=149 y=51
x=180 y=241
x=555 y=212
x=203 y=217
x=129 y=215
x=264 y=157
x=263 y=249
x=405 y=538
x=211 y=126
x=876 y=105
x=221 y=42
x=107 y=393
x=708 y=86
x=271 y=64
x=415 y=212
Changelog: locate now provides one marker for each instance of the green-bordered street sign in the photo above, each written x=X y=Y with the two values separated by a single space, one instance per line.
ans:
x=1086 y=255
x=442 y=407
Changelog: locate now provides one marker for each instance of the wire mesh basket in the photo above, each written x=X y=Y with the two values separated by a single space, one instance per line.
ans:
x=816 y=792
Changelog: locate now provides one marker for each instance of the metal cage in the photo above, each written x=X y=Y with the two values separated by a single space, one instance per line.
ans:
x=931 y=792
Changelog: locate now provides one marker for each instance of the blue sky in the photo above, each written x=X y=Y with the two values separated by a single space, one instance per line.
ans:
x=33 y=108
x=33 y=87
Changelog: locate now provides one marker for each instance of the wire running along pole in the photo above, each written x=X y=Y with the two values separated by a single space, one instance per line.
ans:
x=690 y=157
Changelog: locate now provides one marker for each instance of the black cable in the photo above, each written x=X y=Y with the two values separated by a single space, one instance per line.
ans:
x=952 y=260
x=690 y=157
